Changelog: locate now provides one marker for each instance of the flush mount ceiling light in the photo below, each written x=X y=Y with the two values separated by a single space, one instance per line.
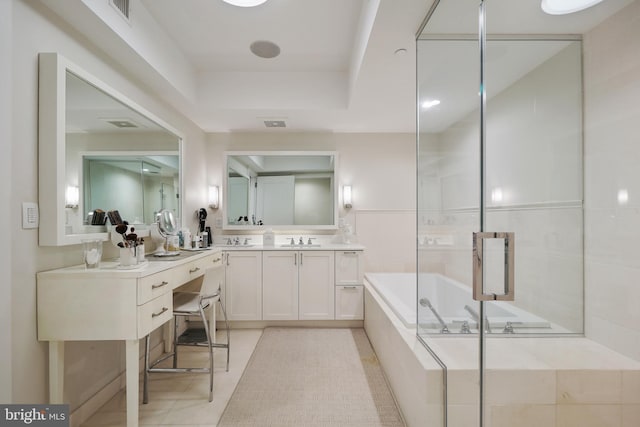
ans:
x=265 y=49
x=245 y=3
x=563 y=7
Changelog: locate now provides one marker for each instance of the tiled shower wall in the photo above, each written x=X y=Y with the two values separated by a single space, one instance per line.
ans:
x=612 y=160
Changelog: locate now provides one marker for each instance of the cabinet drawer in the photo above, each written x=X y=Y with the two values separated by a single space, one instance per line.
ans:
x=151 y=287
x=349 y=302
x=195 y=269
x=154 y=313
x=348 y=268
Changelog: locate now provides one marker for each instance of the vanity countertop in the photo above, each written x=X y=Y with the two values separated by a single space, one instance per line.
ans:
x=285 y=247
x=151 y=265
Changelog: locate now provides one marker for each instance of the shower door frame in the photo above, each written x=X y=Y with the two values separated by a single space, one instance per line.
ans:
x=481 y=39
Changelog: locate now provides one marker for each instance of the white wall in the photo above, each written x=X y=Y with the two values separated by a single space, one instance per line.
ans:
x=379 y=167
x=612 y=157
x=6 y=209
x=89 y=366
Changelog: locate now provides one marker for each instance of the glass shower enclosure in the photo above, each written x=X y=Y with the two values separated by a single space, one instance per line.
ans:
x=500 y=198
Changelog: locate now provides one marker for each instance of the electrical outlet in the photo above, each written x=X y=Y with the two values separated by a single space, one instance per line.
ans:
x=30 y=215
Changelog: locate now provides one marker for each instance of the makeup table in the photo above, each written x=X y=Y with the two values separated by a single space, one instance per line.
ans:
x=112 y=303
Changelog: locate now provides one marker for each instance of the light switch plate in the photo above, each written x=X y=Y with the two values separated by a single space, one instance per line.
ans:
x=30 y=215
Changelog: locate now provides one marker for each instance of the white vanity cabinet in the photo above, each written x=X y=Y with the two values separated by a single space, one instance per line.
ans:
x=349 y=302
x=280 y=285
x=243 y=285
x=298 y=285
x=316 y=290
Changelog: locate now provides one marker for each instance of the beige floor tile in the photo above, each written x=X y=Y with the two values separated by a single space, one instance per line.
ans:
x=183 y=398
x=589 y=415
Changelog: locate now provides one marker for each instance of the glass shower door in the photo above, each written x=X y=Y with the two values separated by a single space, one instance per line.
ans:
x=499 y=173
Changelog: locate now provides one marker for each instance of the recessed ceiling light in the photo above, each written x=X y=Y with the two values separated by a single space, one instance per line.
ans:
x=245 y=3
x=265 y=49
x=430 y=103
x=562 y=7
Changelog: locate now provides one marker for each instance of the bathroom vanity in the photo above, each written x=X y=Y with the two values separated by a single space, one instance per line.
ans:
x=294 y=282
x=111 y=303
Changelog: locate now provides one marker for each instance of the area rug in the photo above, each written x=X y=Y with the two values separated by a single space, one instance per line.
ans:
x=312 y=378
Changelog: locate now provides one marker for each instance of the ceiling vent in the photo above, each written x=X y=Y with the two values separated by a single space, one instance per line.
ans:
x=121 y=6
x=275 y=123
x=121 y=123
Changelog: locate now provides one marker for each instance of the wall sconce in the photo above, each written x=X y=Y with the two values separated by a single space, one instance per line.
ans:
x=346 y=196
x=72 y=197
x=214 y=196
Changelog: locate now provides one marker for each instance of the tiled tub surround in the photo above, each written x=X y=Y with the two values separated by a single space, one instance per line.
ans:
x=551 y=382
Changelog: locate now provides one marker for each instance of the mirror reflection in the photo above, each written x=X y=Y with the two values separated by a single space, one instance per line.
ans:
x=281 y=189
x=149 y=185
x=119 y=159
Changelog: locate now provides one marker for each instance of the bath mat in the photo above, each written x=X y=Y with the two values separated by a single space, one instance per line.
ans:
x=312 y=378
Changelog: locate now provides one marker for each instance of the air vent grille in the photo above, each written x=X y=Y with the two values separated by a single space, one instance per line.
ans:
x=122 y=6
x=275 y=123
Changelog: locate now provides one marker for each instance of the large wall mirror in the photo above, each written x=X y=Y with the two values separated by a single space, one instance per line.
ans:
x=280 y=190
x=99 y=152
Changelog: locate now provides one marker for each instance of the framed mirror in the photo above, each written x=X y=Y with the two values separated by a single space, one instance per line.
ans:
x=91 y=137
x=280 y=190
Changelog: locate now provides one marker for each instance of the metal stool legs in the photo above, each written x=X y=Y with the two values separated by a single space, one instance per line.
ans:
x=150 y=367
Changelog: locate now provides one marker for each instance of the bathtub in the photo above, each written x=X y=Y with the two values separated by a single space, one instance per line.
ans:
x=449 y=299
x=435 y=383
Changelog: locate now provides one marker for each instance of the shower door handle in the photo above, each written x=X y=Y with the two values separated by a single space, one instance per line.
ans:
x=478 y=273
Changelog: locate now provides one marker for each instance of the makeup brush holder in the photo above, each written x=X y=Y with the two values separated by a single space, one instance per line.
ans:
x=128 y=257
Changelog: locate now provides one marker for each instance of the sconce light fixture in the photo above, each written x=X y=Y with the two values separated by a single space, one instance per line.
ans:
x=346 y=196
x=214 y=196
x=72 y=197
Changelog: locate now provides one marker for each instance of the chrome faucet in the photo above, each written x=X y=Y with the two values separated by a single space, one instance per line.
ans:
x=246 y=240
x=476 y=317
x=309 y=241
x=301 y=242
x=236 y=241
x=426 y=303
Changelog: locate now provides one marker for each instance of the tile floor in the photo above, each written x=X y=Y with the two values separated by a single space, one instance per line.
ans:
x=182 y=399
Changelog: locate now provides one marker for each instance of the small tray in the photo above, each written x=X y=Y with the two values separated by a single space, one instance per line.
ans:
x=196 y=249
x=166 y=254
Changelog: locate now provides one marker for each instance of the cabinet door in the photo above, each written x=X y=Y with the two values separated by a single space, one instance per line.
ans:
x=348 y=268
x=243 y=277
x=349 y=302
x=280 y=285
x=316 y=285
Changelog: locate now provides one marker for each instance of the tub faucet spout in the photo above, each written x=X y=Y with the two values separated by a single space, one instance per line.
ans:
x=426 y=303
x=476 y=317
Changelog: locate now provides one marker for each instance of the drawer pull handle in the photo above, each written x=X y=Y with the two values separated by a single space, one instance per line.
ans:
x=217 y=259
x=163 y=283
x=164 y=310
x=193 y=270
x=349 y=253
x=349 y=287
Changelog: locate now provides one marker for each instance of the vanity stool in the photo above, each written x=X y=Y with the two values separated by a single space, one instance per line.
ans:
x=193 y=304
